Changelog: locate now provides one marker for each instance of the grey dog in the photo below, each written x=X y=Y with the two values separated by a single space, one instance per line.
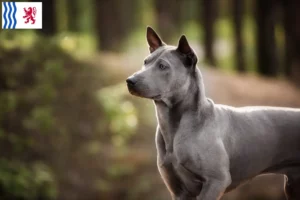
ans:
x=205 y=149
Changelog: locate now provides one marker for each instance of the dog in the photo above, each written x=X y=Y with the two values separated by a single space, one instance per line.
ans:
x=205 y=150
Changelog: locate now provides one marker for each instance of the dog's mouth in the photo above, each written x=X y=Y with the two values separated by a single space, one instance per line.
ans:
x=155 y=97
x=136 y=93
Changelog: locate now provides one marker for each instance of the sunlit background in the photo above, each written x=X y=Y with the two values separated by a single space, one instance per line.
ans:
x=69 y=130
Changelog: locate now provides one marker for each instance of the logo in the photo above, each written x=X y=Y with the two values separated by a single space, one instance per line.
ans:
x=22 y=15
x=30 y=14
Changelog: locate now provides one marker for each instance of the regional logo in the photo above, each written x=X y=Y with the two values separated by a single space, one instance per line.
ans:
x=22 y=15
x=30 y=14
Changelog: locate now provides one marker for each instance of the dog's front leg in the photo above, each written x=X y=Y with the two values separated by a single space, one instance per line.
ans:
x=213 y=189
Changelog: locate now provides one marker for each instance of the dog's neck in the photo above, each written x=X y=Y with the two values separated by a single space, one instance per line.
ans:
x=171 y=112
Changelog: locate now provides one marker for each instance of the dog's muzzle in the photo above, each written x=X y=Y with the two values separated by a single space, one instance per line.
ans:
x=131 y=81
x=138 y=89
x=131 y=84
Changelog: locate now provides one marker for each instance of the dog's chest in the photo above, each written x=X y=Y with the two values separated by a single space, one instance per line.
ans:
x=178 y=178
x=173 y=145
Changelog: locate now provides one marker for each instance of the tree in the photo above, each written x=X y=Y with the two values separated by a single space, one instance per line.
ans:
x=267 y=58
x=49 y=17
x=169 y=17
x=114 y=20
x=81 y=14
x=209 y=10
x=292 y=39
x=238 y=12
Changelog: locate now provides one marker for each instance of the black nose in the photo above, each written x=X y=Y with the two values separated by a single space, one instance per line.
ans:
x=131 y=81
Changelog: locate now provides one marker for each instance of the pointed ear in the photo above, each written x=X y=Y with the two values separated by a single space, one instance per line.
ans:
x=153 y=39
x=183 y=45
x=185 y=49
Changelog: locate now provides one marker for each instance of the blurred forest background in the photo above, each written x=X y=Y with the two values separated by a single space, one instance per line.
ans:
x=69 y=130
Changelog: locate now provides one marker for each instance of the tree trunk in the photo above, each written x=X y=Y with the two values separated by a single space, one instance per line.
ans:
x=292 y=39
x=114 y=20
x=209 y=15
x=49 y=22
x=266 y=43
x=288 y=43
x=81 y=13
x=72 y=13
x=168 y=17
x=238 y=13
x=106 y=22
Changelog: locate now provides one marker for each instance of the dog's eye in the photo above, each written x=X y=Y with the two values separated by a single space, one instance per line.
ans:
x=162 y=67
x=145 y=62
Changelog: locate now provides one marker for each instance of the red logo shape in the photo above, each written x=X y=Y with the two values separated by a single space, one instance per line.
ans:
x=30 y=14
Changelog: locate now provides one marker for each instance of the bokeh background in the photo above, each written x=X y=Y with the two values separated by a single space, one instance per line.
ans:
x=69 y=130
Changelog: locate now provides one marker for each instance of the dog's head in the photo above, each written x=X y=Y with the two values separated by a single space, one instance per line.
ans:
x=166 y=70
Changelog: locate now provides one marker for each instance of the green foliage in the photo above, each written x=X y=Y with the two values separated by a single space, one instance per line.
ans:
x=18 y=181
x=40 y=118
x=30 y=74
x=52 y=111
x=79 y=44
x=120 y=113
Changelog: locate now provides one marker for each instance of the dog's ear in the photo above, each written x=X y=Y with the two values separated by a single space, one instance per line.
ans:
x=183 y=46
x=185 y=49
x=153 y=39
